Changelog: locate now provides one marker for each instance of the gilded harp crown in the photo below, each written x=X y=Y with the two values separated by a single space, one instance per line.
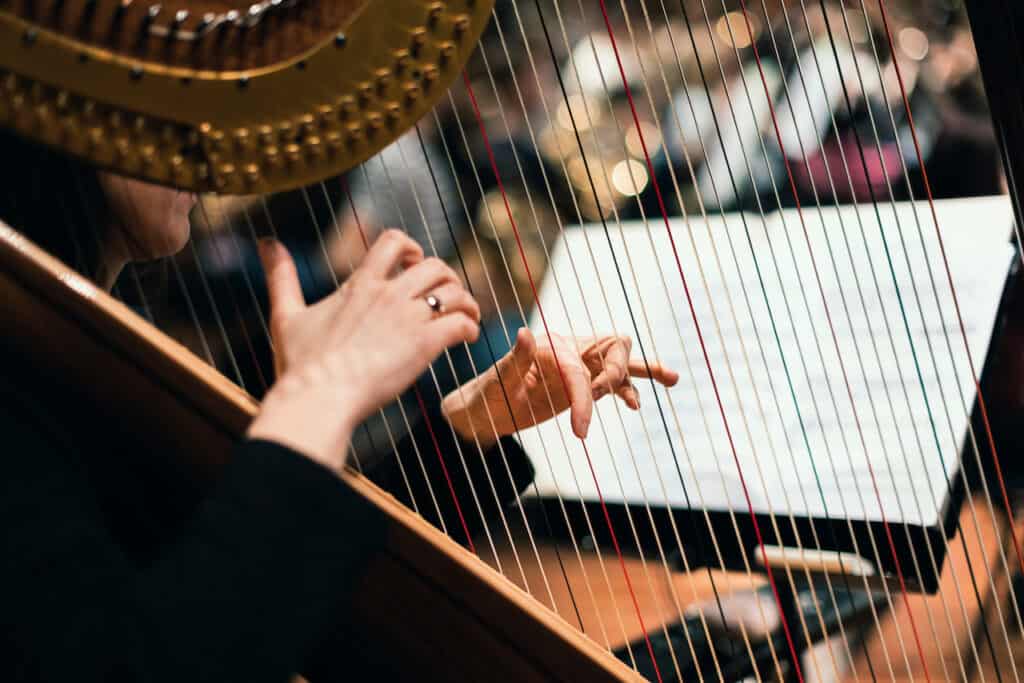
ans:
x=210 y=95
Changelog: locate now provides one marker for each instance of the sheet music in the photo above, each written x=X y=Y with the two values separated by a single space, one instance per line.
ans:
x=805 y=453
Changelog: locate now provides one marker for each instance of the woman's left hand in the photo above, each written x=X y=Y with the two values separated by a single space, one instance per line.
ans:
x=591 y=368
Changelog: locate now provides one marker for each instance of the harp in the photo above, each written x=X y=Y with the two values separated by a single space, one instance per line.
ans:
x=778 y=220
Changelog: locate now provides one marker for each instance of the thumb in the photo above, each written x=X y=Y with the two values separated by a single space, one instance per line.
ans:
x=283 y=288
x=516 y=362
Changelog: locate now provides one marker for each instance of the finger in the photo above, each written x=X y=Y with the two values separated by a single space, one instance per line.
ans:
x=630 y=396
x=581 y=401
x=283 y=288
x=513 y=365
x=391 y=250
x=425 y=277
x=449 y=330
x=613 y=373
x=656 y=371
x=455 y=299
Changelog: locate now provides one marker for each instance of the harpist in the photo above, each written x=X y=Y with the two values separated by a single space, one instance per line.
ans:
x=110 y=572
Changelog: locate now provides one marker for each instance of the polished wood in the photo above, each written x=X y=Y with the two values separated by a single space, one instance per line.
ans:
x=443 y=609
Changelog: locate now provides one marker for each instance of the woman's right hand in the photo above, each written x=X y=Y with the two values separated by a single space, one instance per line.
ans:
x=342 y=358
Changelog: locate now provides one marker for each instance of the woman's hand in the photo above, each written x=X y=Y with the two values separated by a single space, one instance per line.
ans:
x=340 y=359
x=591 y=368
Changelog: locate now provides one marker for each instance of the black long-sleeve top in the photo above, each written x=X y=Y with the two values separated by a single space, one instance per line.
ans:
x=111 y=569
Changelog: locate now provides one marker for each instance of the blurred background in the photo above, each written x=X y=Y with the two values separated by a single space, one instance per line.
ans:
x=546 y=85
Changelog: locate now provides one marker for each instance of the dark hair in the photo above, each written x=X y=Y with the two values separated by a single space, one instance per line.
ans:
x=54 y=200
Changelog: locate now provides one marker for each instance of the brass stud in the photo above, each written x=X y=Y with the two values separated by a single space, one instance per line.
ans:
x=148 y=154
x=412 y=93
x=417 y=41
x=365 y=92
x=446 y=51
x=346 y=107
x=285 y=131
x=430 y=74
x=292 y=152
x=63 y=99
x=333 y=138
x=266 y=134
x=460 y=25
x=313 y=145
x=402 y=61
x=434 y=14
x=325 y=113
x=242 y=138
x=252 y=173
x=383 y=81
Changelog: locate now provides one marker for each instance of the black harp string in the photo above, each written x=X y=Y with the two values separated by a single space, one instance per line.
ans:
x=856 y=210
x=760 y=406
x=403 y=221
x=849 y=318
x=562 y=232
x=921 y=449
x=801 y=355
x=942 y=323
x=544 y=382
x=473 y=368
x=917 y=366
x=501 y=385
x=593 y=330
x=594 y=192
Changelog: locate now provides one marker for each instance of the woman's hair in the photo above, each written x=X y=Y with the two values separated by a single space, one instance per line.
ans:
x=54 y=200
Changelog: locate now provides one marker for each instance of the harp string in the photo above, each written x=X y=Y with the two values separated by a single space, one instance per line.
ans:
x=701 y=502
x=903 y=313
x=493 y=355
x=214 y=242
x=547 y=456
x=857 y=348
x=576 y=208
x=856 y=417
x=440 y=395
x=594 y=331
x=760 y=406
x=545 y=382
x=974 y=374
x=874 y=277
x=948 y=343
x=501 y=385
x=562 y=376
x=659 y=544
x=1001 y=553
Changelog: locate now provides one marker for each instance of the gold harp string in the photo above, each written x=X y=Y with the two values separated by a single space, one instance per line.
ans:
x=593 y=330
x=544 y=382
x=604 y=296
x=917 y=364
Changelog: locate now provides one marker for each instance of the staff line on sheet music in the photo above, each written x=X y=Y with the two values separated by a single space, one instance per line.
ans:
x=1003 y=621
x=540 y=311
x=858 y=352
x=593 y=329
x=561 y=435
x=906 y=324
x=664 y=211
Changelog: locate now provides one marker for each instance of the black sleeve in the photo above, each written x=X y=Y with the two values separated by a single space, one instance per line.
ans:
x=242 y=595
x=438 y=469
